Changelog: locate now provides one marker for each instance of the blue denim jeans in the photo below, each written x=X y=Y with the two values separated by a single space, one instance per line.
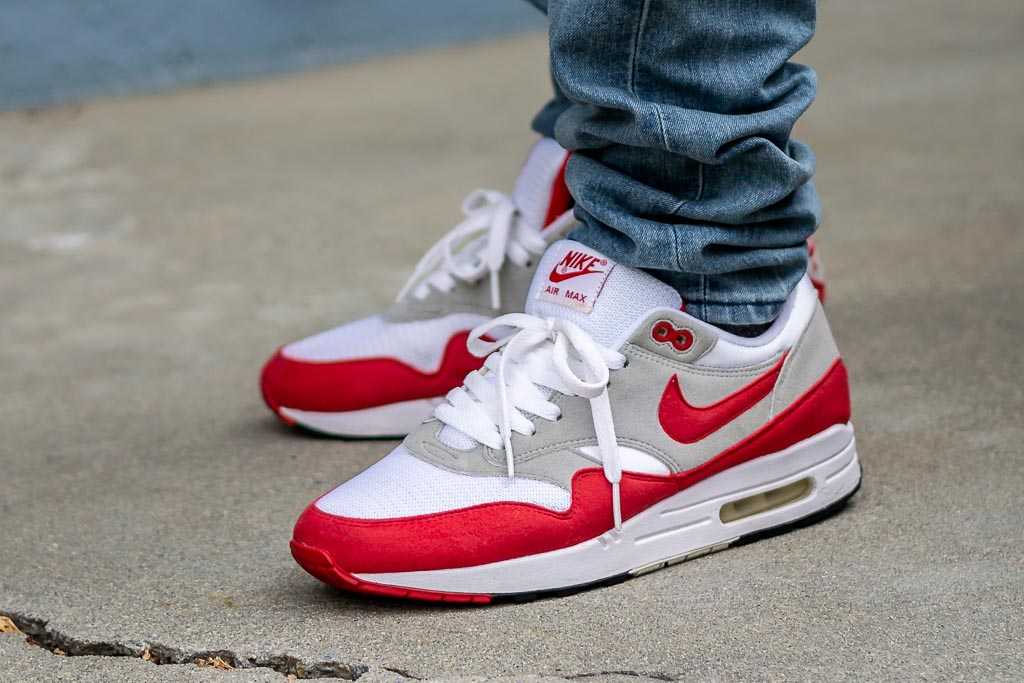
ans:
x=679 y=117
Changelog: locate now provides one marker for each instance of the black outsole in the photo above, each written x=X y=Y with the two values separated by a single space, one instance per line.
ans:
x=314 y=433
x=808 y=520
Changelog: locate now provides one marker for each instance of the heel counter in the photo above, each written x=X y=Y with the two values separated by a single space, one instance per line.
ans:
x=825 y=404
x=811 y=357
x=832 y=396
x=811 y=395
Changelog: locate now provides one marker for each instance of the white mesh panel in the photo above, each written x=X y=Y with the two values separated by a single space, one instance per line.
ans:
x=402 y=485
x=627 y=296
x=420 y=343
x=532 y=193
x=453 y=438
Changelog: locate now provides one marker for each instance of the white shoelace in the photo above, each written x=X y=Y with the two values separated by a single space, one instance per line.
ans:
x=544 y=354
x=491 y=232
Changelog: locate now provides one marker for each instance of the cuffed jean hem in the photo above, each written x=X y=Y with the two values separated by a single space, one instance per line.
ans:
x=708 y=298
x=733 y=314
x=545 y=119
x=544 y=122
x=747 y=292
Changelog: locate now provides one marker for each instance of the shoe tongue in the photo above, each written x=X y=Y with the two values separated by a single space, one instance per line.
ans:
x=577 y=283
x=540 y=192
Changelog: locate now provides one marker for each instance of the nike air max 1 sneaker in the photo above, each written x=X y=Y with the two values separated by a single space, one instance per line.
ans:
x=608 y=434
x=382 y=375
x=816 y=268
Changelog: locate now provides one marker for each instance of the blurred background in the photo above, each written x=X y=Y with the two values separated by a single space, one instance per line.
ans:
x=185 y=186
x=56 y=52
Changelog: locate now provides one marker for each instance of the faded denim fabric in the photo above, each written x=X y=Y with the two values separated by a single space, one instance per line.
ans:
x=679 y=117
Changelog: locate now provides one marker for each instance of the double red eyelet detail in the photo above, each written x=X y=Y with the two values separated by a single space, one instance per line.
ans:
x=665 y=332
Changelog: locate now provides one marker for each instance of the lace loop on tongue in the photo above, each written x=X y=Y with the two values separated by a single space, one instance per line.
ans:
x=550 y=353
x=491 y=232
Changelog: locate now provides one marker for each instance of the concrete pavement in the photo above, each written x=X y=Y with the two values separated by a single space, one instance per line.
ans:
x=154 y=250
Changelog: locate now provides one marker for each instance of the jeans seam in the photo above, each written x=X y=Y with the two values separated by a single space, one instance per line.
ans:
x=675 y=247
x=661 y=125
x=704 y=288
x=635 y=49
x=634 y=66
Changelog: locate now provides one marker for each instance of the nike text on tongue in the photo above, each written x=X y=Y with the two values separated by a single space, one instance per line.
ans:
x=576 y=280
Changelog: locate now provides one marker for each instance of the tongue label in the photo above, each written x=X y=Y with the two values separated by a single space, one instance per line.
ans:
x=576 y=281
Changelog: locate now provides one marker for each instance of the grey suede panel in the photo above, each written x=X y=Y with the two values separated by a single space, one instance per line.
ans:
x=554 y=462
x=811 y=357
x=423 y=444
x=703 y=340
x=574 y=430
x=704 y=385
x=557 y=465
x=636 y=394
x=469 y=297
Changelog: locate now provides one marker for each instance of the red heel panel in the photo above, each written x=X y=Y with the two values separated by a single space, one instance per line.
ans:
x=825 y=404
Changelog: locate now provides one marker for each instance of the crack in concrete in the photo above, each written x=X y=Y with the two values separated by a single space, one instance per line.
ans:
x=39 y=633
x=648 y=675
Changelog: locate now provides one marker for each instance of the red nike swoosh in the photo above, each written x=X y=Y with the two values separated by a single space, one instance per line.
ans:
x=687 y=423
x=559 y=277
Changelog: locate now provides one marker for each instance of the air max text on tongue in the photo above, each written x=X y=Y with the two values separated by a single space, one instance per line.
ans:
x=576 y=280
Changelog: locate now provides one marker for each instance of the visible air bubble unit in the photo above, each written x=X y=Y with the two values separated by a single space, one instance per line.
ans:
x=761 y=502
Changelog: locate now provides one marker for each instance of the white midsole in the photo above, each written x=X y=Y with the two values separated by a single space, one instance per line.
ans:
x=394 y=419
x=684 y=525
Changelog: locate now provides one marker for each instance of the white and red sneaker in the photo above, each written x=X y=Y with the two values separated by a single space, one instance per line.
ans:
x=816 y=268
x=608 y=435
x=382 y=375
